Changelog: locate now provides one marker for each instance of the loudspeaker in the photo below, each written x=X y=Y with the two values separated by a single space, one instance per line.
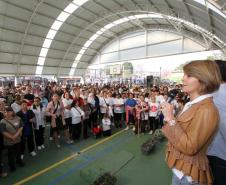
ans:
x=150 y=81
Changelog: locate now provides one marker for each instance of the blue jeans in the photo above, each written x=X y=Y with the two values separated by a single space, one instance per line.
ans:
x=183 y=181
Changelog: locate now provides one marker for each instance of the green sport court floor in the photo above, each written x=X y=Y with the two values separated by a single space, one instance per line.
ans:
x=55 y=166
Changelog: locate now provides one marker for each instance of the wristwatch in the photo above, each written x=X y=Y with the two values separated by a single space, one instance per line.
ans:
x=172 y=122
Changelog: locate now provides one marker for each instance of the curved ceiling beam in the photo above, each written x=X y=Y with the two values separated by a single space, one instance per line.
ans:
x=117 y=11
x=56 y=25
x=186 y=33
x=25 y=35
x=210 y=36
x=62 y=17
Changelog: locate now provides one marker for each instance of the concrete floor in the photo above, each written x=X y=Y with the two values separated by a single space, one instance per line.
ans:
x=55 y=166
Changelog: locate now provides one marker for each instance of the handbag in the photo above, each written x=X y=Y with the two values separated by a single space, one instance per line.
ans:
x=59 y=122
x=59 y=119
x=48 y=119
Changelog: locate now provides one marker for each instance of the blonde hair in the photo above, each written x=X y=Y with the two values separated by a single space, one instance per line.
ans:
x=207 y=72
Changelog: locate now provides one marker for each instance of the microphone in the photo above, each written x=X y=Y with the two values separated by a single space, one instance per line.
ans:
x=171 y=95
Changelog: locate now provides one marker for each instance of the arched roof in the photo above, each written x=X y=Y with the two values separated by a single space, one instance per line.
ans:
x=51 y=37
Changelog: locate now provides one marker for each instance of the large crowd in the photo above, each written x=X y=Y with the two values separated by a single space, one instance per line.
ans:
x=191 y=116
x=77 y=112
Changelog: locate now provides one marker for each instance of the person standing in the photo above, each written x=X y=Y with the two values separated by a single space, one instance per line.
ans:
x=118 y=105
x=27 y=116
x=141 y=115
x=55 y=109
x=130 y=110
x=29 y=96
x=2 y=111
x=77 y=117
x=16 y=106
x=217 y=150
x=154 y=111
x=86 y=119
x=67 y=101
x=39 y=111
x=11 y=127
x=190 y=134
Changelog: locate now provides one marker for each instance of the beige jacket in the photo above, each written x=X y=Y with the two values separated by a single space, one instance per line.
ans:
x=189 y=139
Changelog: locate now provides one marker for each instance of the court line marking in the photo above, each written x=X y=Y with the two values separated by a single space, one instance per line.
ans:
x=96 y=156
x=65 y=160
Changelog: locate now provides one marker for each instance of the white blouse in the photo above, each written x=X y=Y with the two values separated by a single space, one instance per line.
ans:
x=39 y=116
x=77 y=114
x=67 y=112
x=106 y=124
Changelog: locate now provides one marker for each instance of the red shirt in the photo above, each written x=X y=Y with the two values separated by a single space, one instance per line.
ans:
x=97 y=130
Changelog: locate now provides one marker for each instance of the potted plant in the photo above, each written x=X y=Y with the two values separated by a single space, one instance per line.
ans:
x=105 y=179
x=148 y=146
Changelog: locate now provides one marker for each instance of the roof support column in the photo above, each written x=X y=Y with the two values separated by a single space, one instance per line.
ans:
x=118 y=48
x=99 y=57
x=182 y=47
x=146 y=42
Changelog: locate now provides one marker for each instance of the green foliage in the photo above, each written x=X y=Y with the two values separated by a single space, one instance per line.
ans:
x=127 y=67
x=105 y=179
x=158 y=135
x=221 y=56
x=180 y=67
x=148 y=146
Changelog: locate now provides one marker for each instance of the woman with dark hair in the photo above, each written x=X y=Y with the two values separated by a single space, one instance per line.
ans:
x=11 y=127
x=130 y=110
x=141 y=115
x=86 y=107
x=93 y=100
x=27 y=116
x=191 y=132
x=55 y=109
x=77 y=118
x=67 y=101
x=16 y=105
x=39 y=111
x=2 y=111
x=118 y=105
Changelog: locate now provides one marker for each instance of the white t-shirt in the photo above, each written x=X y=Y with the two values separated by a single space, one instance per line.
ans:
x=16 y=107
x=160 y=99
x=118 y=101
x=39 y=116
x=103 y=104
x=154 y=109
x=106 y=124
x=67 y=112
x=77 y=114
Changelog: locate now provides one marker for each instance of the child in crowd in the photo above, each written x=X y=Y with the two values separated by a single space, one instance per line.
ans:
x=106 y=125
x=97 y=131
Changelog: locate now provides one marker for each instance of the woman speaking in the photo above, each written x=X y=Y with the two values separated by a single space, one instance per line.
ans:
x=190 y=133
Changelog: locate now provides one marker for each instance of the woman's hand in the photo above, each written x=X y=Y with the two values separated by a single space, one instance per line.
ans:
x=167 y=110
x=53 y=116
x=32 y=120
